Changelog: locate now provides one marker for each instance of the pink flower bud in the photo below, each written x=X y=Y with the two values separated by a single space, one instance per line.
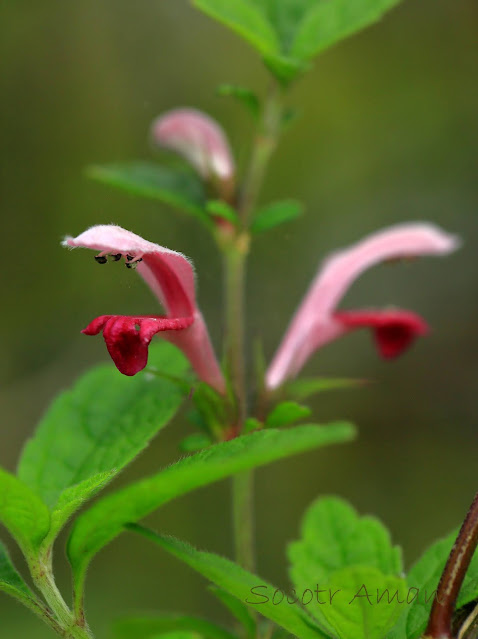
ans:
x=200 y=140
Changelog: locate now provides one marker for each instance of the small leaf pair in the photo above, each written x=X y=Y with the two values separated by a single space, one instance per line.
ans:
x=290 y=33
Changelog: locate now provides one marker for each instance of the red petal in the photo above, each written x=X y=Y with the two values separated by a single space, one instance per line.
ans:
x=127 y=338
x=394 y=331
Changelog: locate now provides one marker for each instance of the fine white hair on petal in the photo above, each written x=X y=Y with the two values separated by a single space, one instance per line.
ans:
x=110 y=237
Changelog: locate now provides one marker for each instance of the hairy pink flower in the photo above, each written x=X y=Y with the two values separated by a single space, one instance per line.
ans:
x=170 y=276
x=317 y=321
x=200 y=140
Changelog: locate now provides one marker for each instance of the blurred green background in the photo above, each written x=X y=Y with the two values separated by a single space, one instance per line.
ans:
x=388 y=132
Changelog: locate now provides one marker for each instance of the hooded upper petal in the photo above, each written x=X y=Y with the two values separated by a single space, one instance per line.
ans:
x=313 y=324
x=170 y=276
x=198 y=138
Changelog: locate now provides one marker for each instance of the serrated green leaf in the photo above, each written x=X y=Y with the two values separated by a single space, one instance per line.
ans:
x=364 y=604
x=194 y=442
x=219 y=208
x=329 y=21
x=95 y=429
x=148 y=627
x=301 y=389
x=425 y=575
x=23 y=513
x=180 y=189
x=238 y=609
x=334 y=537
x=286 y=413
x=105 y=519
x=243 y=95
x=237 y=582
x=276 y=214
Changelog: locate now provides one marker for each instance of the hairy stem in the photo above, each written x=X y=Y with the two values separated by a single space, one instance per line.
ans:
x=61 y=618
x=441 y=617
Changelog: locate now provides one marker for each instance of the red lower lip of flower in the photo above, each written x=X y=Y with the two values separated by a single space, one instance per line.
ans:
x=394 y=331
x=127 y=338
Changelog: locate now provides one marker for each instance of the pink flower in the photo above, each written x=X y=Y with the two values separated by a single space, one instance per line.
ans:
x=200 y=140
x=170 y=276
x=317 y=321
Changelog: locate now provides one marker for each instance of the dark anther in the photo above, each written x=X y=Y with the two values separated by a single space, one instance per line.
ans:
x=129 y=258
x=134 y=264
x=101 y=259
x=115 y=257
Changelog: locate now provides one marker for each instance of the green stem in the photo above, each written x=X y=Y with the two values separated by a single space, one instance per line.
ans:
x=235 y=251
x=243 y=513
x=234 y=266
x=264 y=145
x=62 y=620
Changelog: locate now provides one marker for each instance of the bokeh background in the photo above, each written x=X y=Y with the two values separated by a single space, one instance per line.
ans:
x=388 y=132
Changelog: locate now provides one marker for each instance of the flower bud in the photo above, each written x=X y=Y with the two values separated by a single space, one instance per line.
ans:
x=201 y=141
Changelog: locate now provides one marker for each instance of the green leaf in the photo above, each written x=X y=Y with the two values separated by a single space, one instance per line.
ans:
x=219 y=208
x=180 y=189
x=95 y=429
x=289 y=33
x=251 y=424
x=363 y=603
x=23 y=513
x=105 y=519
x=11 y=582
x=329 y=21
x=286 y=413
x=275 y=214
x=243 y=95
x=238 y=609
x=71 y=499
x=334 y=537
x=237 y=582
x=148 y=627
x=425 y=575
x=177 y=634
x=301 y=389
x=211 y=409
x=194 y=442
x=246 y=19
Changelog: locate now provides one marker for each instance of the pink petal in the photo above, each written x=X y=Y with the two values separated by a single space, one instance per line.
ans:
x=169 y=274
x=198 y=138
x=338 y=272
